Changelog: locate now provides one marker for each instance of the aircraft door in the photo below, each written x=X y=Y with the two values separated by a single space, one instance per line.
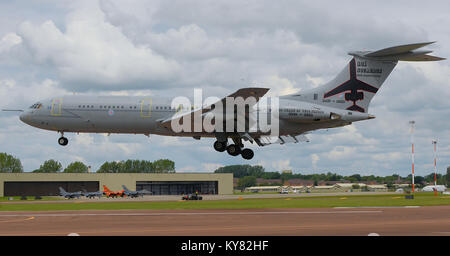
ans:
x=146 y=107
x=56 y=107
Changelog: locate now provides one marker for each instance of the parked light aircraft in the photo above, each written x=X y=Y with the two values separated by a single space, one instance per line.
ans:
x=340 y=102
x=69 y=195
x=136 y=193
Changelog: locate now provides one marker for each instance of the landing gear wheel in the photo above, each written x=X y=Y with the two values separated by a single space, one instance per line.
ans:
x=247 y=153
x=63 y=141
x=220 y=146
x=233 y=150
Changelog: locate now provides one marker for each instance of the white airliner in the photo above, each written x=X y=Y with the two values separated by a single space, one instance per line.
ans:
x=343 y=100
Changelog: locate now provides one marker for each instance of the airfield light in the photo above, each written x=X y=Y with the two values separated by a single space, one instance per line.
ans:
x=412 y=150
x=435 y=168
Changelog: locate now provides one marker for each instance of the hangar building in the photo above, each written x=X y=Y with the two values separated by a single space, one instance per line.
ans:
x=47 y=184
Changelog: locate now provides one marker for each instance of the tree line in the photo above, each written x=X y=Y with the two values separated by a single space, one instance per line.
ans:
x=248 y=174
x=11 y=164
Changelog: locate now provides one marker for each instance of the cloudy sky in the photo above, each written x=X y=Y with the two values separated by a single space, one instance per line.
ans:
x=50 y=48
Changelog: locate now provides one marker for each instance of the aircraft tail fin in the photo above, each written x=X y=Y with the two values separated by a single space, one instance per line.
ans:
x=62 y=191
x=355 y=86
x=125 y=188
x=106 y=189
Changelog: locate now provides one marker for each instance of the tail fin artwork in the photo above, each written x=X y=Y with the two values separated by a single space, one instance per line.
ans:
x=354 y=87
x=106 y=189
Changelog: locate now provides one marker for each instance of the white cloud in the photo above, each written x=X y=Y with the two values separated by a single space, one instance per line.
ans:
x=341 y=153
x=314 y=160
x=93 y=51
x=9 y=40
x=211 y=167
x=280 y=165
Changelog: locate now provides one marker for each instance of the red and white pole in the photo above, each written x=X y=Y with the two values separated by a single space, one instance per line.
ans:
x=412 y=151
x=435 y=168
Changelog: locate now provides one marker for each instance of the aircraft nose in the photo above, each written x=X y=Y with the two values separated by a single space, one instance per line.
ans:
x=25 y=117
x=22 y=116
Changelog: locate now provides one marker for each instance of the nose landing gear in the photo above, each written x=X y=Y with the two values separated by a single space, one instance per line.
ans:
x=63 y=141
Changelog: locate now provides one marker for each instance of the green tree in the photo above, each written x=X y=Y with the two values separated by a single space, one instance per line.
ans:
x=9 y=164
x=138 y=166
x=76 y=167
x=355 y=186
x=164 y=166
x=271 y=175
x=354 y=178
x=447 y=176
x=110 y=167
x=50 y=166
x=240 y=171
x=247 y=181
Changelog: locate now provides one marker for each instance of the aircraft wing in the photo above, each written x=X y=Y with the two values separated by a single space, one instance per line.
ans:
x=245 y=93
x=292 y=138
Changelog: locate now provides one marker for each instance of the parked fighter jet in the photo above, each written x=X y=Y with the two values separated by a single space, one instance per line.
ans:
x=137 y=193
x=92 y=194
x=69 y=195
x=340 y=102
x=110 y=193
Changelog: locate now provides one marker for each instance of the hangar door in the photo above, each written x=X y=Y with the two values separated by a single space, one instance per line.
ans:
x=47 y=188
x=178 y=187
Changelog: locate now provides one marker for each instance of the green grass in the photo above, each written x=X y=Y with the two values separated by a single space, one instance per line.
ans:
x=422 y=199
x=251 y=193
x=29 y=198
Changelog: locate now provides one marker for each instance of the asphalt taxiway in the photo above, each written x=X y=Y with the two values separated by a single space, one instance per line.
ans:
x=383 y=221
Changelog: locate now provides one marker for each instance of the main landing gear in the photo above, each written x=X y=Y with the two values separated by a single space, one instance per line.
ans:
x=234 y=149
x=63 y=141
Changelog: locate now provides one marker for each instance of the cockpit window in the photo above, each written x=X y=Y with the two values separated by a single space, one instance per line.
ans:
x=36 y=106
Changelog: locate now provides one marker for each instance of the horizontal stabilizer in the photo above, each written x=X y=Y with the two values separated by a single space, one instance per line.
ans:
x=399 y=53
x=423 y=57
x=397 y=49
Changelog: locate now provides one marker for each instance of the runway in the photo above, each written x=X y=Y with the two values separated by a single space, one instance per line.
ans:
x=384 y=221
